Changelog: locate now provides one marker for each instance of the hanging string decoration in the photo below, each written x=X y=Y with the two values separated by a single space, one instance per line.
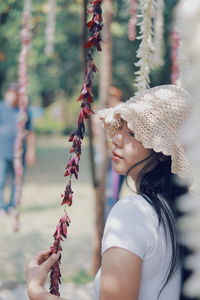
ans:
x=72 y=169
x=175 y=42
x=146 y=48
x=50 y=28
x=23 y=98
x=158 y=41
x=133 y=20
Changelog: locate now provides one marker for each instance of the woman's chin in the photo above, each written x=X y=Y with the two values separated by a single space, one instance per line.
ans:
x=118 y=170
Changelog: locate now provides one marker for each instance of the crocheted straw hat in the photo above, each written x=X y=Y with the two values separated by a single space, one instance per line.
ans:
x=155 y=116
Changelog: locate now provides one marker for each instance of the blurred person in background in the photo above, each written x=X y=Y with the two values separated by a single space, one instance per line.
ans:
x=9 y=112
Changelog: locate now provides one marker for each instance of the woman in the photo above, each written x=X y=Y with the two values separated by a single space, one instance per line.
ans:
x=140 y=251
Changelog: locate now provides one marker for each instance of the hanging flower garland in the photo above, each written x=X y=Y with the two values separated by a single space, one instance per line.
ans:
x=50 y=28
x=145 y=50
x=175 y=41
x=158 y=41
x=23 y=98
x=133 y=20
x=86 y=97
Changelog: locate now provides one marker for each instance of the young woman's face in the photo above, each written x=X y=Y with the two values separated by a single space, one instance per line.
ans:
x=127 y=151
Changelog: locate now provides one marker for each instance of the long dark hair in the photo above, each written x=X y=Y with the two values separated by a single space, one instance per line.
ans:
x=160 y=188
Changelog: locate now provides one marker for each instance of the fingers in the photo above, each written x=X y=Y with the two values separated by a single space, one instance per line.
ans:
x=39 y=258
x=51 y=261
x=42 y=256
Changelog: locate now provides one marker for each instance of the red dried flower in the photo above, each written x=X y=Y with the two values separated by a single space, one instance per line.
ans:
x=86 y=93
x=95 y=26
x=55 y=275
x=85 y=112
x=93 y=67
x=76 y=147
x=96 y=20
x=94 y=41
x=79 y=132
x=72 y=166
x=94 y=5
x=67 y=195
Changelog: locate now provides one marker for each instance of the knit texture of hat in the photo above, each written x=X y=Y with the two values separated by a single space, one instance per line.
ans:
x=155 y=116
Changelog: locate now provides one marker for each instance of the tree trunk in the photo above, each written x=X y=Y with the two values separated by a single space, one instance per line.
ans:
x=105 y=82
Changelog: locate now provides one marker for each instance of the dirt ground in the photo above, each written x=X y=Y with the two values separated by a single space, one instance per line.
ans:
x=40 y=212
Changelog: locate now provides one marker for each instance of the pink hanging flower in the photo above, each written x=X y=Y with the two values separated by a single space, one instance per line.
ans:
x=133 y=20
x=175 y=40
x=23 y=97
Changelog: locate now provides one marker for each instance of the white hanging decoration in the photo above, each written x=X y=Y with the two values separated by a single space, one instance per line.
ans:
x=158 y=41
x=188 y=13
x=146 y=48
x=50 y=28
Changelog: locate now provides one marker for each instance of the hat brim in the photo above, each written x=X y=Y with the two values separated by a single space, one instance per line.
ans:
x=149 y=130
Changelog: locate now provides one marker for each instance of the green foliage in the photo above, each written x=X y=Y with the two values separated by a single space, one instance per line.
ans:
x=48 y=124
x=62 y=73
x=59 y=117
x=47 y=76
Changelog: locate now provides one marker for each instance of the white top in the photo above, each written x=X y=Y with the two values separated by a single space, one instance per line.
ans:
x=133 y=225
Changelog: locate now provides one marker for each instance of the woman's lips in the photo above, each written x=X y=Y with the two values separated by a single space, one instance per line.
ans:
x=116 y=156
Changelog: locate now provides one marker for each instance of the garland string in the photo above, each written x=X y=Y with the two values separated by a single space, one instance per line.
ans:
x=86 y=97
x=23 y=98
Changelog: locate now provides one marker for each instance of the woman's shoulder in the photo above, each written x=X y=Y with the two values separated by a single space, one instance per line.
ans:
x=135 y=204
x=131 y=224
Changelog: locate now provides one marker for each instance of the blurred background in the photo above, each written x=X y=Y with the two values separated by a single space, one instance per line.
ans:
x=54 y=84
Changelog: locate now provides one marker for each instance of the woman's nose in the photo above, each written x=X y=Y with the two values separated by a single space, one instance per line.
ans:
x=117 y=139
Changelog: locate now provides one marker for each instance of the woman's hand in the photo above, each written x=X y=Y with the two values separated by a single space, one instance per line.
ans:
x=37 y=271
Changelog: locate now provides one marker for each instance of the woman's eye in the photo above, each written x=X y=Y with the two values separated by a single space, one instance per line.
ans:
x=131 y=133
